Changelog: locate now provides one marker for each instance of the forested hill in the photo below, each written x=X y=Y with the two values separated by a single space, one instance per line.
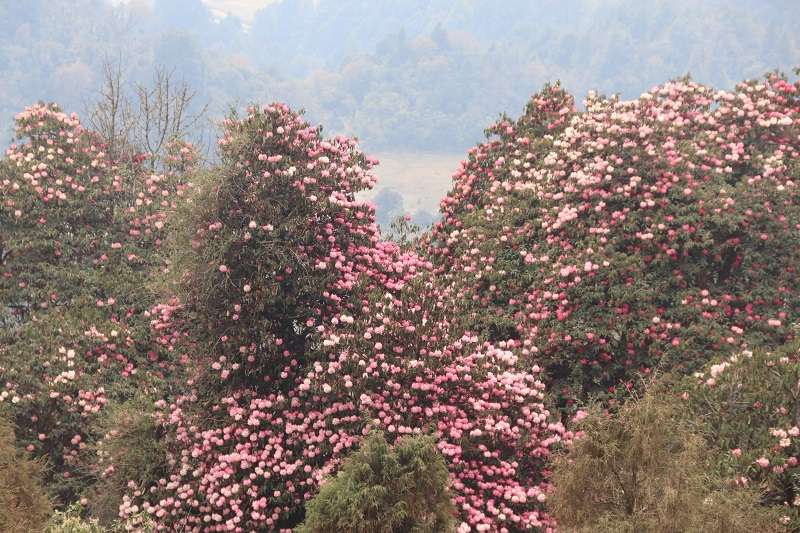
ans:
x=424 y=77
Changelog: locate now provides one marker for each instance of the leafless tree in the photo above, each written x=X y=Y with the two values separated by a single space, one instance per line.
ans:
x=164 y=113
x=147 y=117
x=111 y=114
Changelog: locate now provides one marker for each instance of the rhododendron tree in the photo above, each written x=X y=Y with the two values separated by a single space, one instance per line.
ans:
x=308 y=332
x=80 y=237
x=271 y=245
x=211 y=353
x=58 y=204
x=488 y=416
x=633 y=234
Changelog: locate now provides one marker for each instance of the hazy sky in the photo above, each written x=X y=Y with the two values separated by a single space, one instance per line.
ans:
x=241 y=8
x=245 y=9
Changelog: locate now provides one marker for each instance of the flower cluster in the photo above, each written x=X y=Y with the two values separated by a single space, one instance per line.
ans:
x=576 y=250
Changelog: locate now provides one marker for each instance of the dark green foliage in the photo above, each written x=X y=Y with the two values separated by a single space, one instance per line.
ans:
x=384 y=489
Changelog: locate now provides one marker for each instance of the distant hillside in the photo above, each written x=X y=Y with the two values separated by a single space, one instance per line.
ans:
x=412 y=75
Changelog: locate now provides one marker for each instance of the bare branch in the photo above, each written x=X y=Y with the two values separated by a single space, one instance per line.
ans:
x=145 y=118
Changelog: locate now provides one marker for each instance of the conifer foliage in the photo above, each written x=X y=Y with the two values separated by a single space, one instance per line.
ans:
x=385 y=489
x=24 y=503
x=645 y=469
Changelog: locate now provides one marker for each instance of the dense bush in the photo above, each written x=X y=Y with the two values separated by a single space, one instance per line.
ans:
x=658 y=231
x=644 y=469
x=385 y=489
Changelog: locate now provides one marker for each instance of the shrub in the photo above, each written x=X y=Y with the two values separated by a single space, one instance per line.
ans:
x=644 y=469
x=385 y=489
x=24 y=504
x=748 y=405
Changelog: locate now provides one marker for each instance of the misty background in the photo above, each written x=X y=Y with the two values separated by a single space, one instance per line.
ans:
x=417 y=81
